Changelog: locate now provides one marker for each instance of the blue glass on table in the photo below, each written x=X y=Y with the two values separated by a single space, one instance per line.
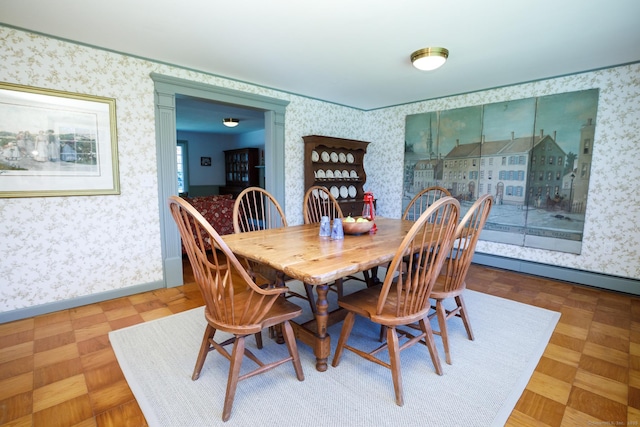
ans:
x=337 y=233
x=325 y=227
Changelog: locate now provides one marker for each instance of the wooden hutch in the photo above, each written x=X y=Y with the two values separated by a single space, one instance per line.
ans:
x=337 y=164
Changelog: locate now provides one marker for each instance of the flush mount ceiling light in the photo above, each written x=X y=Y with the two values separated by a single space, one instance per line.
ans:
x=429 y=58
x=230 y=123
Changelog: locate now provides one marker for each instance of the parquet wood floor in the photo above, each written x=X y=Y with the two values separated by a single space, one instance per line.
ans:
x=59 y=369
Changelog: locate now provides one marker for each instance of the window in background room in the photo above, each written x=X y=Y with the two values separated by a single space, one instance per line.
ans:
x=182 y=163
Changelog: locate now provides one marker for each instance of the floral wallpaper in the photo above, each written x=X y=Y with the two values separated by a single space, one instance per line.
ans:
x=60 y=248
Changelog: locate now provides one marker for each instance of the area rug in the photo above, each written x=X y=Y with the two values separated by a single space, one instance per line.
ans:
x=480 y=388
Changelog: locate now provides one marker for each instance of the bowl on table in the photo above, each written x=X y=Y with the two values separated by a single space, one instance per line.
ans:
x=355 y=227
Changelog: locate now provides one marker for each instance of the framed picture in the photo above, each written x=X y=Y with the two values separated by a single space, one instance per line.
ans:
x=205 y=161
x=56 y=143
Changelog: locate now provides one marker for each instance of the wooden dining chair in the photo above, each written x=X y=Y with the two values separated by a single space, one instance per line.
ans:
x=241 y=309
x=403 y=297
x=416 y=207
x=256 y=209
x=450 y=284
x=423 y=200
x=318 y=202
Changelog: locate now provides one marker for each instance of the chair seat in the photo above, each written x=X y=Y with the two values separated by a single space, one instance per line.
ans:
x=362 y=302
x=439 y=292
x=365 y=302
x=280 y=311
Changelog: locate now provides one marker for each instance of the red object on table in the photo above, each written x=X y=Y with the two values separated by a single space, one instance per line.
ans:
x=368 y=211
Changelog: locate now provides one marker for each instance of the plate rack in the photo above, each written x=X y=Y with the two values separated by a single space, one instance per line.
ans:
x=338 y=165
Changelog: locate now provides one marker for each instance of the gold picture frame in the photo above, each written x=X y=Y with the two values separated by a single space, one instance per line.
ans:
x=55 y=143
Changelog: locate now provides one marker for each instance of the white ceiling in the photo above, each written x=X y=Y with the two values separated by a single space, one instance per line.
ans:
x=352 y=52
x=201 y=115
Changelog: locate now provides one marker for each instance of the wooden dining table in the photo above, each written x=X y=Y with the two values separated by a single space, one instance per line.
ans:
x=300 y=253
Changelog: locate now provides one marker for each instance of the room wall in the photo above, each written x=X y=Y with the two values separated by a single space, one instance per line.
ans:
x=65 y=248
x=611 y=242
x=251 y=139
x=207 y=145
x=57 y=249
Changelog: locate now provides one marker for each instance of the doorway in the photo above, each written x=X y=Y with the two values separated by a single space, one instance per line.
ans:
x=201 y=123
x=166 y=90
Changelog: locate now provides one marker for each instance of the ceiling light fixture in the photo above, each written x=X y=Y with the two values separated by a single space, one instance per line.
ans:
x=429 y=58
x=230 y=123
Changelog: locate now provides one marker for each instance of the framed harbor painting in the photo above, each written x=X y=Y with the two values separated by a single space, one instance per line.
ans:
x=55 y=143
x=532 y=155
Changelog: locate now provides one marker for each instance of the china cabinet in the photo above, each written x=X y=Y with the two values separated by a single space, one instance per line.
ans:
x=337 y=164
x=240 y=170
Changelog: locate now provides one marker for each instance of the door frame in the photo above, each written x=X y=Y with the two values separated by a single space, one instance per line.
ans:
x=165 y=90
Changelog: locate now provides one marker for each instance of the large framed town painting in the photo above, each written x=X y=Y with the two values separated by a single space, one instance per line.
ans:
x=532 y=155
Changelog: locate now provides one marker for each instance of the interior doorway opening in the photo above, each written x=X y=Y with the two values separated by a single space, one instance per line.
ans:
x=166 y=90
x=201 y=123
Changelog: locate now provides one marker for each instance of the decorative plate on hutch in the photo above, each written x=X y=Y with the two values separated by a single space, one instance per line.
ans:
x=344 y=192
x=335 y=192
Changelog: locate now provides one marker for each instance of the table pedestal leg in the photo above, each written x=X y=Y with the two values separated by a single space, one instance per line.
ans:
x=322 y=348
x=314 y=332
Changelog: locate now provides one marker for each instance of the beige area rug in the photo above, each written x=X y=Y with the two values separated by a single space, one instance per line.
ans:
x=480 y=388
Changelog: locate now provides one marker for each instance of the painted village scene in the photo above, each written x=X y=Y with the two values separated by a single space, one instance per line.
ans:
x=533 y=156
x=36 y=141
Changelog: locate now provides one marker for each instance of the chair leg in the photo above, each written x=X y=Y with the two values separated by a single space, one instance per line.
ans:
x=312 y=301
x=258 y=336
x=276 y=332
x=234 y=373
x=292 y=346
x=431 y=345
x=371 y=277
x=464 y=316
x=394 y=358
x=347 y=325
x=339 y=288
x=209 y=332
x=367 y=278
x=442 y=323
x=374 y=276
x=383 y=331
